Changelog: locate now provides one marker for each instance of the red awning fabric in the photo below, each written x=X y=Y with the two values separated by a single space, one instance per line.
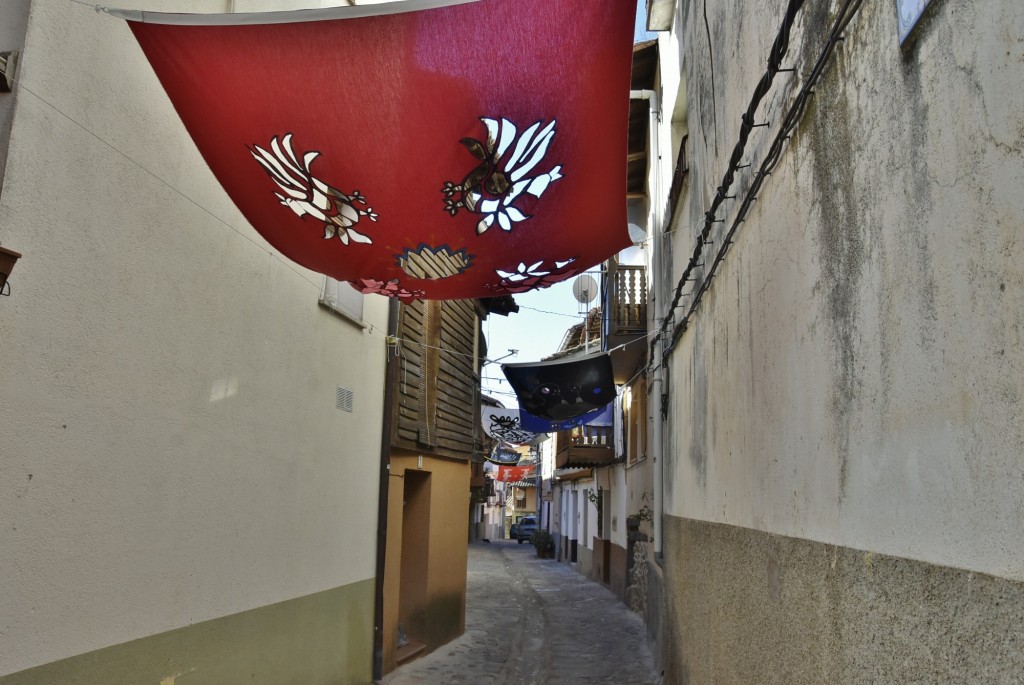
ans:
x=510 y=474
x=471 y=150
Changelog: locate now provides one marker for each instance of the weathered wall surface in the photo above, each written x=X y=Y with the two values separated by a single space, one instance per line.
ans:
x=761 y=608
x=855 y=374
x=171 y=452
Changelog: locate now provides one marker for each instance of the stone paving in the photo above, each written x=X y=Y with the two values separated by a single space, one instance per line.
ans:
x=533 y=621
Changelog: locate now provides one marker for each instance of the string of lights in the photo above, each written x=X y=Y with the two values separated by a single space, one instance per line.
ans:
x=544 y=311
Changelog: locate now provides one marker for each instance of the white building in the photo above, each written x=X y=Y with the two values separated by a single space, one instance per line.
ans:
x=187 y=489
x=842 y=476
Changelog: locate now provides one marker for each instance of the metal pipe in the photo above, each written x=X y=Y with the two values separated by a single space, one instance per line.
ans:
x=656 y=389
x=390 y=383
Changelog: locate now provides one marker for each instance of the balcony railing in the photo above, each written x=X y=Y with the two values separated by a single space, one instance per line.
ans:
x=627 y=300
x=584 y=446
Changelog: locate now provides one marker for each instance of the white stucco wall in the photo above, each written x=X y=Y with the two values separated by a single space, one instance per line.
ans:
x=13 y=22
x=855 y=374
x=170 y=450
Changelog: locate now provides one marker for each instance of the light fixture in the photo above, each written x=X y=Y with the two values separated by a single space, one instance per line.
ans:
x=7 y=260
x=8 y=65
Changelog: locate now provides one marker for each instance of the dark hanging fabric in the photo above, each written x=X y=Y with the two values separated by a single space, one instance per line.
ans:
x=563 y=389
x=465 y=151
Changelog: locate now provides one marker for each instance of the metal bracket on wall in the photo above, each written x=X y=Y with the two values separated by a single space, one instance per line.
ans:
x=8 y=65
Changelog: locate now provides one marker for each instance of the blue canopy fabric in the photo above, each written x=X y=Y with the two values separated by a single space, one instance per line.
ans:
x=602 y=416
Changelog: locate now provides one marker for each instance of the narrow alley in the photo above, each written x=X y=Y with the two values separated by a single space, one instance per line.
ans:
x=531 y=620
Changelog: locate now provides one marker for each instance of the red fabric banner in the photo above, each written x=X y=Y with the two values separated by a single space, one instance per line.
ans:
x=512 y=474
x=464 y=151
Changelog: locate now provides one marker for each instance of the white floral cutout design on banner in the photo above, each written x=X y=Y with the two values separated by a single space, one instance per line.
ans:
x=497 y=182
x=524 y=277
x=306 y=195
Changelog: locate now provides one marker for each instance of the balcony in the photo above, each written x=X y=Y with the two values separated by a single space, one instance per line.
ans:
x=625 y=301
x=584 y=446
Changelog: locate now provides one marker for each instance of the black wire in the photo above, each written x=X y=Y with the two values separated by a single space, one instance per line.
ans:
x=790 y=122
x=779 y=48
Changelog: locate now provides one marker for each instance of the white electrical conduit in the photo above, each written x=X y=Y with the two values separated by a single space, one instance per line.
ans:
x=658 y=229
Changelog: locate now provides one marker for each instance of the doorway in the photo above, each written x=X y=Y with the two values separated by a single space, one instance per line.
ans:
x=412 y=594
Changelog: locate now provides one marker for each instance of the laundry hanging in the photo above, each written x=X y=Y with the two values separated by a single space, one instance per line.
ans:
x=563 y=389
x=472 y=149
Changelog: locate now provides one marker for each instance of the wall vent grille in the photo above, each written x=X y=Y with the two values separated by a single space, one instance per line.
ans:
x=344 y=399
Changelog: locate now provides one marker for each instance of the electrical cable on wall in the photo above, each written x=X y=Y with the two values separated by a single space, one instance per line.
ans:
x=779 y=48
x=790 y=121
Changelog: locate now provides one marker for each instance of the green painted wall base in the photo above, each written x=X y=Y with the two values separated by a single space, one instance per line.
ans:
x=321 y=639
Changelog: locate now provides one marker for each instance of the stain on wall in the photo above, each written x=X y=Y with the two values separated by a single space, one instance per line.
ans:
x=806 y=612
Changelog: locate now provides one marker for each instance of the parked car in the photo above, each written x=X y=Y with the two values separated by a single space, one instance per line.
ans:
x=523 y=530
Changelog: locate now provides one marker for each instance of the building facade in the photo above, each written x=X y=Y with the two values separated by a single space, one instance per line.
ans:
x=841 y=476
x=190 y=437
x=434 y=436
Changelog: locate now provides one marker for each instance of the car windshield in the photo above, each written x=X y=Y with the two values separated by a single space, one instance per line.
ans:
x=528 y=522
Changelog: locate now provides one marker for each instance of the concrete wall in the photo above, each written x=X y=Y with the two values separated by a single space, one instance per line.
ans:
x=807 y=612
x=854 y=376
x=13 y=24
x=171 y=453
x=860 y=347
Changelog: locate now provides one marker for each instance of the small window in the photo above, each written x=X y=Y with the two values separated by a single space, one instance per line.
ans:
x=342 y=298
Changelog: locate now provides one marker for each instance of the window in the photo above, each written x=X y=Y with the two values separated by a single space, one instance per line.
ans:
x=342 y=298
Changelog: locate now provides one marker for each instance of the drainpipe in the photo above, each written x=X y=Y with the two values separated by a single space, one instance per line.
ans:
x=390 y=381
x=656 y=391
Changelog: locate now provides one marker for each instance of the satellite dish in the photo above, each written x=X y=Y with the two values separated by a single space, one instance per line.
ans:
x=584 y=289
x=636 y=234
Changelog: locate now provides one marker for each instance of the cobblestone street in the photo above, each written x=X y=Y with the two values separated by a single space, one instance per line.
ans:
x=531 y=620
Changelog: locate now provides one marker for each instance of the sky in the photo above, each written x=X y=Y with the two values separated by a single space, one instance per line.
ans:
x=544 y=315
x=536 y=332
